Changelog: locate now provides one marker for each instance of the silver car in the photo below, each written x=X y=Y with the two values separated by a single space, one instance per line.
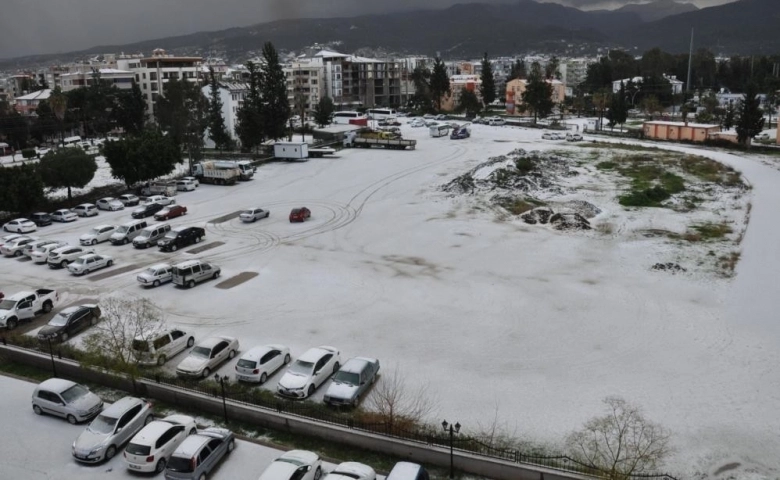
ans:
x=111 y=429
x=207 y=356
x=155 y=275
x=351 y=381
x=199 y=454
x=66 y=399
x=253 y=214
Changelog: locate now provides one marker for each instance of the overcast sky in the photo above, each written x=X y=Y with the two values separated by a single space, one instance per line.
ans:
x=51 y=26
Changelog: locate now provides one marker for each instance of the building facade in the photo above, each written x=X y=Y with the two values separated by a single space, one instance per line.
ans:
x=472 y=83
x=693 y=132
x=515 y=89
x=232 y=96
x=27 y=104
x=122 y=79
x=305 y=85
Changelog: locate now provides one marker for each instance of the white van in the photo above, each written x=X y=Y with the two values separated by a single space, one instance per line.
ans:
x=127 y=232
x=151 y=235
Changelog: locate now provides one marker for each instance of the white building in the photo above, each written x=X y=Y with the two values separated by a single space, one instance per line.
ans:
x=305 y=78
x=232 y=95
x=122 y=79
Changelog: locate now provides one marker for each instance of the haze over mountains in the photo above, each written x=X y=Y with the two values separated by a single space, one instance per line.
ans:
x=467 y=30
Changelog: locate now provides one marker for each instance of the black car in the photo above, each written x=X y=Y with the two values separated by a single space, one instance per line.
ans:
x=176 y=239
x=68 y=322
x=147 y=210
x=41 y=219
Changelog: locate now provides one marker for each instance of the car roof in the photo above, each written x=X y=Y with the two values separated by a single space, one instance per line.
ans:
x=356 y=365
x=352 y=468
x=192 y=443
x=255 y=353
x=121 y=406
x=85 y=205
x=405 y=470
x=98 y=227
x=211 y=341
x=314 y=354
x=151 y=432
x=188 y=263
x=89 y=255
x=56 y=385
x=160 y=265
x=63 y=248
x=63 y=210
x=72 y=309
x=303 y=456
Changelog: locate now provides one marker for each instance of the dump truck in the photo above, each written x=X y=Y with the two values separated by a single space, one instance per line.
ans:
x=208 y=172
x=245 y=168
x=372 y=139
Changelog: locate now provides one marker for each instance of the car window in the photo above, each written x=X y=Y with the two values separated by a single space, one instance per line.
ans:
x=177 y=334
x=168 y=435
x=214 y=444
x=299 y=473
x=127 y=417
x=204 y=454
x=218 y=348
x=161 y=341
x=206 y=267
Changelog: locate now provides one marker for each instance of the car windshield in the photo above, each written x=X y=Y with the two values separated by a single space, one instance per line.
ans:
x=294 y=461
x=180 y=464
x=96 y=231
x=140 y=345
x=243 y=363
x=59 y=320
x=74 y=393
x=347 y=377
x=103 y=425
x=7 y=304
x=301 y=368
x=79 y=261
x=135 y=449
x=171 y=234
x=202 y=352
x=122 y=229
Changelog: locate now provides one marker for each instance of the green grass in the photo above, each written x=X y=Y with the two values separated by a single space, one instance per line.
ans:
x=518 y=206
x=606 y=165
x=711 y=171
x=525 y=165
x=712 y=231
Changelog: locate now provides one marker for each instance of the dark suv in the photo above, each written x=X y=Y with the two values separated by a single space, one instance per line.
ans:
x=41 y=219
x=146 y=210
x=176 y=239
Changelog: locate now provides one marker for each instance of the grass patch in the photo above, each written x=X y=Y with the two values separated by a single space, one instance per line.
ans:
x=518 y=205
x=728 y=263
x=712 y=231
x=606 y=165
x=649 y=197
x=525 y=165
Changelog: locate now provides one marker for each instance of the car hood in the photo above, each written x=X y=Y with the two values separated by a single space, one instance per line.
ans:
x=49 y=330
x=342 y=390
x=87 y=236
x=292 y=381
x=146 y=276
x=3 y=313
x=193 y=364
x=86 y=402
x=89 y=440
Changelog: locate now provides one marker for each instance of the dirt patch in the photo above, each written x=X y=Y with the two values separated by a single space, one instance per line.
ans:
x=204 y=247
x=114 y=272
x=236 y=280
x=225 y=218
x=669 y=267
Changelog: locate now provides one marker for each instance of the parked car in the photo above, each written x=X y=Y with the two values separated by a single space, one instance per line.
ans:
x=110 y=203
x=185 y=186
x=63 y=256
x=180 y=238
x=146 y=210
x=20 y=225
x=308 y=372
x=417 y=123
x=127 y=232
x=207 y=355
x=495 y=121
x=194 y=271
x=294 y=465
x=16 y=247
x=98 y=234
x=41 y=253
x=573 y=137
x=8 y=238
x=259 y=363
x=351 y=471
x=41 y=219
x=408 y=471
x=199 y=454
x=171 y=211
x=33 y=246
x=86 y=210
x=26 y=305
x=111 y=429
x=150 y=235
x=193 y=180
x=155 y=348
x=68 y=322
x=150 y=449
x=440 y=116
x=253 y=214
x=156 y=275
x=129 y=200
x=89 y=263
x=549 y=136
x=300 y=214
x=66 y=399
x=161 y=199
x=64 y=215
x=352 y=380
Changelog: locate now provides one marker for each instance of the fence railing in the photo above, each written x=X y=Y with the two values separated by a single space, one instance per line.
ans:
x=422 y=434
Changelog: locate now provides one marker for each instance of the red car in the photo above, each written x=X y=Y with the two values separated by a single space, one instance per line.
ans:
x=171 y=211
x=299 y=214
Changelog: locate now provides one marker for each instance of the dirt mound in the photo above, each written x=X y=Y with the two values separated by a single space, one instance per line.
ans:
x=569 y=221
x=669 y=267
x=539 y=215
x=586 y=209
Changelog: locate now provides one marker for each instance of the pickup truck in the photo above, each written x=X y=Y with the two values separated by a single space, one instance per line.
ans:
x=26 y=306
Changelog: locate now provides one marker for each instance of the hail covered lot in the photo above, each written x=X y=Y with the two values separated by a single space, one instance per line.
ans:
x=500 y=318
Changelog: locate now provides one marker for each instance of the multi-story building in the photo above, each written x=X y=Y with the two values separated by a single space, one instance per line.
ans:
x=457 y=84
x=27 y=104
x=122 y=79
x=232 y=94
x=515 y=89
x=305 y=81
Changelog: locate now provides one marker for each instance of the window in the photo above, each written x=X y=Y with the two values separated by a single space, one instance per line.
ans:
x=177 y=334
x=214 y=444
x=143 y=75
x=127 y=417
x=144 y=86
x=152 y=75
x=162 y=341
x=203 y=455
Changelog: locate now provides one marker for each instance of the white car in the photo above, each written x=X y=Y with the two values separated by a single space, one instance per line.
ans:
x=85 y=210
x=110 y=203
x=259 y=363
x=89 y=263
x=31 y=247
x=185 y=186
x=161 y=199
x=129 y=200
x=193 y=180
x=41 y=253
x=495 y=121
x=151 y=448
x=8 y=238
x=573 y=137
x=206 y=356
x=416 y=123
x=351 y=471
x=20 y=225
x=61 y=257
x=15 y=247
x=99 y=234
x=294 y=465
x=111 y=429
x=253 y=214
x=156 y=275
x=64 y=215
x=309 y=371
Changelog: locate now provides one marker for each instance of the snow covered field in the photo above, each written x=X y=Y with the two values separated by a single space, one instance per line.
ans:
x=491 y=313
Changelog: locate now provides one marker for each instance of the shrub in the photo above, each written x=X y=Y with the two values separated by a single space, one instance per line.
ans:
x=650 y=197
x=606 y=165
x=29 y=153
x=525 y=165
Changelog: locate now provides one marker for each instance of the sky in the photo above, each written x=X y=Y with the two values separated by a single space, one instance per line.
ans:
x=54 y=26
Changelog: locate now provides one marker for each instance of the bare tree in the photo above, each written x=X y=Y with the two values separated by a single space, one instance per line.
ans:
x=622 y=442
x=398 y=404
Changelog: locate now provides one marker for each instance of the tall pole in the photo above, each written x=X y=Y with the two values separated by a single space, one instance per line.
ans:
x=51 y=354
x=452 y=453
x=690 y=61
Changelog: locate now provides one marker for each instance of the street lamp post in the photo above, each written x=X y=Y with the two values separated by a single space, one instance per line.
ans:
x=51 y=354
x=453 y=429
x=222 y=381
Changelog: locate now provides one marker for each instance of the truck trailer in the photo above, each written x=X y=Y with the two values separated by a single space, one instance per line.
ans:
x=368 y=140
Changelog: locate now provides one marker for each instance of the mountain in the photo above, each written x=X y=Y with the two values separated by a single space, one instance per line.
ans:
x=657 y=10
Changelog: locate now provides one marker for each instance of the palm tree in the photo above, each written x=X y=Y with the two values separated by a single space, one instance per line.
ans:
x=59 y=104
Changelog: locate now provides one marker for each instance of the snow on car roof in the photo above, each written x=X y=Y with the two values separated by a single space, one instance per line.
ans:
x=405 y=470
x=150 y=433
x=190 y=446
x=56 y=385
x=211 y=341
x=357 y=364
x=178 y=419
x=255 y=353
x=303 y=456
x=350 y=469
x=120 y=406
x=314 y=354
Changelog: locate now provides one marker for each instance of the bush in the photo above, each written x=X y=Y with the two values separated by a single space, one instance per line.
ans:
x=29 y=153
x=606 y=165
x=650 y=197
x=525 y=165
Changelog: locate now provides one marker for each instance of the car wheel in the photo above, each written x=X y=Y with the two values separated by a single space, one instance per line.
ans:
x=191 y=284
x=85 y=272
x=94 y=242
x=64 y=263
x=160 y=466
x=37 y=410
x=287 y=359
x=197 y=239
x=174 y=247
x=156 y=283
x=110 y=452
x=310 y=392
x=206 y=372
x=148 y=420
x=318 y=473
x=190 y=342
x=336 y=367
x=47 y=307
x=216 y=274
x=71 y=419
x=11 y=324
x=64 y=337
x=125 y=241
x=18 y=253
x=263 y=378
x=202 y=476
x=161 y=360
x=232 y=354
x=231 y=446
x=109 y=263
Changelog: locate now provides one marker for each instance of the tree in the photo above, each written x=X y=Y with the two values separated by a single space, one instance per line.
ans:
x=217 y=131
x=67 y=168
x=750 y=118
x=468 y=103
x=129 y=111
x=323 y=110
x=440 y=83
x=142 y=158
x=600 y=102
x=59 y=104
x=14 y=129
x=517 y=70
x=398 y=405
x=622 y=442
x=181 y=112
x=422 y=99
x=249 y=118
x=729 y=116
x=273 y=89
x=21 y=188
x=651 y=105
x=770 y=106
x=537 y=96
x=552 y=68
x=488 y=87
x=100 y=99
x=618 y=108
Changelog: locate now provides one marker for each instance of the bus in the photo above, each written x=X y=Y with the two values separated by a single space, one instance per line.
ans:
x=381 y=113
x=345 y=118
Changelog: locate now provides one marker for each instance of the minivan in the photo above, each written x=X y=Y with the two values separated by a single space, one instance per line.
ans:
x=157 y=347
x=127 y=232
x=85 y=210
x=408 y=471
x=194 y=271
x=150 y=235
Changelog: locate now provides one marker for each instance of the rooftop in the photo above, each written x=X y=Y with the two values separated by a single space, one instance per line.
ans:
x=38 y=95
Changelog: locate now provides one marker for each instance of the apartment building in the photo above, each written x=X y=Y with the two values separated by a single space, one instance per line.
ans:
x=28 y=104
x=232 y=94
x=122 y=79
x=305 y=80
x=457 y=84
x=515 y=89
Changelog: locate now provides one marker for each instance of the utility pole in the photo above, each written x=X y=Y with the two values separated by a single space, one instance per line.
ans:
x=690 y=62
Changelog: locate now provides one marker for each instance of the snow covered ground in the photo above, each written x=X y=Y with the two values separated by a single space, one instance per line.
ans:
x=491 y=313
